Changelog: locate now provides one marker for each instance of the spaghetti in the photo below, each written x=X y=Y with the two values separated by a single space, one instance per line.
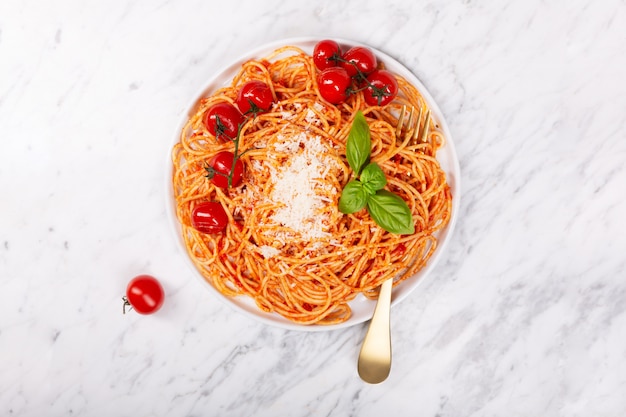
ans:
x=286 y=244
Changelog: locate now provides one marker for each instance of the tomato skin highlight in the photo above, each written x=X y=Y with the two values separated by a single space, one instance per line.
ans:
x=323 y=53
x=229 y=118
x=386 y=85
x=361 y=58
x=222 y=163
x=209 y=217
x=256 y=92
x=333 y=84
x=145 y=294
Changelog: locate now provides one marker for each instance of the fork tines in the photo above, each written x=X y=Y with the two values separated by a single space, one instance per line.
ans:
x=413 y=126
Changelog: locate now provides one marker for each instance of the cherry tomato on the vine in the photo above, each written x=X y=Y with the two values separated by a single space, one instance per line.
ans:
x=223 y=120
x=324 y=52
x=220 y=167
x=333 y=83
x=361 y=58
x=209 y=217
x=254 y=97
x=382 y=88
x=144 y=294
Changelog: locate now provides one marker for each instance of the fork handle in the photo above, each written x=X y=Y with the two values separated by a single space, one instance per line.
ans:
x=375 y=357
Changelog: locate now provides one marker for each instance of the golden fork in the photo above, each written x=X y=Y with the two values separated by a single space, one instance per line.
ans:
x=374 y=363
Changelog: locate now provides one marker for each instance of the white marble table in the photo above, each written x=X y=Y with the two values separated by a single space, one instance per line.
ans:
x=525 y=315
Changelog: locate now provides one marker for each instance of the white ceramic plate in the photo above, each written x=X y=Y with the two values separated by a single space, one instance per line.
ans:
x=362 y=308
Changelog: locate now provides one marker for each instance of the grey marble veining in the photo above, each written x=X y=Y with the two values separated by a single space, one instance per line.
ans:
x=525 y=314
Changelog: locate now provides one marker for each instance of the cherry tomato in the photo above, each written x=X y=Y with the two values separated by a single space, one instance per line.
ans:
x=209 y=217
x=219 y=169
x=333 y=83
x=223 y=120
x=382 y=88
x=324 y=52
x=254 y=97
x=145 y=294
x=361 y=58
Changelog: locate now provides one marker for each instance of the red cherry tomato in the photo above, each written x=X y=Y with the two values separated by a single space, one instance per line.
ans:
x=223 y=120
x=333 y=83
x=382 y=88
x=209 y=217
x=254 y=97
x=145 y=294
x=324 y=53
x=361 y=58
x=220 y=167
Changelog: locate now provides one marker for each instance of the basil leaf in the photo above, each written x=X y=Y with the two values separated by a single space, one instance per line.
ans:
x=391 y=212
x=373 y=178
x=353 y=197
x=359 y=144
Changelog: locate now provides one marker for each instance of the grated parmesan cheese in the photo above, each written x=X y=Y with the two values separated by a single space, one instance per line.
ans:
x=286 y=145
x=296 y=185
x=297 y=166
x=287 y=115
x=268 y=251
x=311 y=117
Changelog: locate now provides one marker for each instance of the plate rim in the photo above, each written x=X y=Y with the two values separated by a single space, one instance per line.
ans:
x=400 y=292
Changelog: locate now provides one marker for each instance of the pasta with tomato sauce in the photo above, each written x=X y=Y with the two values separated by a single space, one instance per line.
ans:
x=285 y=243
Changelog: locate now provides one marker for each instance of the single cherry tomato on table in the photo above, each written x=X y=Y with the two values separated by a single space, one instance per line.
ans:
x=324 y=54
x=209 y=217
x=361 y=58
x=382 y=88
x=223 y=120
x=254 y=97
x=333 y=84
x=144 y=294
x=220 y=167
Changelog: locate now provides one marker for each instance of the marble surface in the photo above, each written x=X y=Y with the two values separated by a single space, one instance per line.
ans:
x=525 y=315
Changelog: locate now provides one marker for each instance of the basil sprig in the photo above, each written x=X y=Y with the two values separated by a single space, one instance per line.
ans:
x=387 y=209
